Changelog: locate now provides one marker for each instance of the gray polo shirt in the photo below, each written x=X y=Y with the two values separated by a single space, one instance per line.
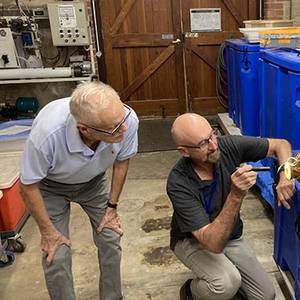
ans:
x=55 y=150
x=189 y=194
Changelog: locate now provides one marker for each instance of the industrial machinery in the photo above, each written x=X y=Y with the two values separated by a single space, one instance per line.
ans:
x=24 y=107
x=19 y=43
x=22 y=43
x=68 y=23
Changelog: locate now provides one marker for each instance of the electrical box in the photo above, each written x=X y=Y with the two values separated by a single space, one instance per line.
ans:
x=8 y=57
x=40 y=13
x=68 y=22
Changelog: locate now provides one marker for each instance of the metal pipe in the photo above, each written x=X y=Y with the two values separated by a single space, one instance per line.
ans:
x=35 y=73
x=95 y=25
x=261 y=9
x=100 y=47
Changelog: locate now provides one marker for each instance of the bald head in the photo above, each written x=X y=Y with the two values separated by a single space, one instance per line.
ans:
x=95 y=103
x=190 y=128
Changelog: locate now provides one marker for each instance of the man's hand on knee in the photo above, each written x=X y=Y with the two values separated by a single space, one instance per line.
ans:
x=50 y=243
x=111 y=220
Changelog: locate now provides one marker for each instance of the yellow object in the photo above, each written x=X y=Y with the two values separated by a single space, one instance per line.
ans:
x=280 y=37
x=267 y=23
x=292 y=167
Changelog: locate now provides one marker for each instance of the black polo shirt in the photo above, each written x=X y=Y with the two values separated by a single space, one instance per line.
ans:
x=188 y=193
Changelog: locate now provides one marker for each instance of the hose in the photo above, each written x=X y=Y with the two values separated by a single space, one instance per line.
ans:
x=221 y=78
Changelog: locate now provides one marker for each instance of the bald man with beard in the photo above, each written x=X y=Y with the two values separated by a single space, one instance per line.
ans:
x=72 y=143
x=207 y=187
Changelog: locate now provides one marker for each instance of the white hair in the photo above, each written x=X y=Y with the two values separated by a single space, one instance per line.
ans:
x=91 y=98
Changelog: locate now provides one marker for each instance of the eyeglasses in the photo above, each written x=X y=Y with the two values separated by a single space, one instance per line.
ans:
x=204 y=143
x=117 y=128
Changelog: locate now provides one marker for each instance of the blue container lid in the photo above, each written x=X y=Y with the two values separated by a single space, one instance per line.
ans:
x=284 y=58
x=242 y=45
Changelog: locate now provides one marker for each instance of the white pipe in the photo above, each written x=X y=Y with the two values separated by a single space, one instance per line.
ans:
x=35 y=73
x=95 y=25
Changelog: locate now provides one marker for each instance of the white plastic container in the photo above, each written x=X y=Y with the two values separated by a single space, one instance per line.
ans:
x=9 y=171
x=267 y=23
x=13 y=135
x=252 y=34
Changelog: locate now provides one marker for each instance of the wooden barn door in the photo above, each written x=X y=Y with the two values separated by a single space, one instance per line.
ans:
x=158 y=66
x=143 y=60
x=201 y=48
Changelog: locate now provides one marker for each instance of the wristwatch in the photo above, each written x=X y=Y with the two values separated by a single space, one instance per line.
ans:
x=112 y=205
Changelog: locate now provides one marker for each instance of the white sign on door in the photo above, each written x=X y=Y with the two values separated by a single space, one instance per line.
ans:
x=205 y=19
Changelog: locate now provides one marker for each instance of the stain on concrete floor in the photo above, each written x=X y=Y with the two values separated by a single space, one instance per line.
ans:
x=157 y=224
x=161 y=256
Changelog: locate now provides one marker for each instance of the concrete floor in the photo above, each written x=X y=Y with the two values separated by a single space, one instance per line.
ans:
x=149 y=269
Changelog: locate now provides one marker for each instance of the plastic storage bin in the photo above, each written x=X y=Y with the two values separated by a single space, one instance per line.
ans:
x=280 y=95
x=267 y=23
x=12 y=208
x=265 y=180
x=287 y=37
x=13 y=134
x=287 y=239
x=243 y=93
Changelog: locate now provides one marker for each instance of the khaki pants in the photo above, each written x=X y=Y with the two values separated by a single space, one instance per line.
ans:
x=92 y=197
x=220 y=276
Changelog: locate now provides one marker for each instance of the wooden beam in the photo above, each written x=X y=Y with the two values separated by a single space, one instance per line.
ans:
x=212 y=39
x=232 y=9
x=253 y=10
x=155 y=107
x=141 y=40
x=206 y=58
x=206 y=106
x=122 y=15
x=146 y=73
x=179 y=54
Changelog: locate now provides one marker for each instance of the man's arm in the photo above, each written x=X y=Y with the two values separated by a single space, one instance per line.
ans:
x=50 y=237
x=215 y=235
x=119 y=173
x=111 y=219
x=285 y=188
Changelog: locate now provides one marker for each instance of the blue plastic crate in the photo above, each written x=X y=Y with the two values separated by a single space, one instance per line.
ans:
x=265 y=182
x=243 y=92
x=287 y=239
x=280 y=95
x=286 y=227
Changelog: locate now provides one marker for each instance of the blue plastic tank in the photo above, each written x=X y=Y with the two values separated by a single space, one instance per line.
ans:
x=280 y=95
x=287 y=239
x=243 y=93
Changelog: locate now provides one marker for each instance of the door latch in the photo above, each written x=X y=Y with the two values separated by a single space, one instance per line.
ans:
x=177 y=41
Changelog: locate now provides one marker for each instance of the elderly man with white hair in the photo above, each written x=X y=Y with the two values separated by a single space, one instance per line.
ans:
x=72 y=143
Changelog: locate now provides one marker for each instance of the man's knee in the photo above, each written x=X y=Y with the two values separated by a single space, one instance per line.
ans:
x=108 y=238
x=225 y=286
x=108 y=243
x=268 y=293
x=62 y=259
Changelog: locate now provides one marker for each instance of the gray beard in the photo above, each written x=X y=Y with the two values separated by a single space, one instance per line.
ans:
x=213 y=157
